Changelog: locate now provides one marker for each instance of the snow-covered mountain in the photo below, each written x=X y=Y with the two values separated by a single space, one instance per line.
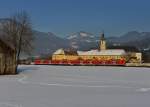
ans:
x=47 y=43
x=133 y=38
x=81 y=40
x=80 y=35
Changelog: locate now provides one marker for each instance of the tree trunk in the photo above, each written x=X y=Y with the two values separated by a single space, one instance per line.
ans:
x=18 y=53
x=5 y=64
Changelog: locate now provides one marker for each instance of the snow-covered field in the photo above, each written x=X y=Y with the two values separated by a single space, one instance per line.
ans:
x=76 y=86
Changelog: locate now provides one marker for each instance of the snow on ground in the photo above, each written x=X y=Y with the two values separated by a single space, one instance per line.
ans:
x=76 y=86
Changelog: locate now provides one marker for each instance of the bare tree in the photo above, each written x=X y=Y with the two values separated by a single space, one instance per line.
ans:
x=17 y=30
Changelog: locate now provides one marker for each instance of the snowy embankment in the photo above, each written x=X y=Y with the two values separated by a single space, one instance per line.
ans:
x=76 y=86
x=138 y=64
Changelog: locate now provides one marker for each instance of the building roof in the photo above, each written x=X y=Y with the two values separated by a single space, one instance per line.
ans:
x=66 y=52
x=126 y=48
x=58 y=52
x=91 y=52
x=103 y=52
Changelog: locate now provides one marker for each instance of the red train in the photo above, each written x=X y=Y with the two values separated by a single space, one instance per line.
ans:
x=80 y=62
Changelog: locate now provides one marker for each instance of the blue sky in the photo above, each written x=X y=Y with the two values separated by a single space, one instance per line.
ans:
x=64 y=17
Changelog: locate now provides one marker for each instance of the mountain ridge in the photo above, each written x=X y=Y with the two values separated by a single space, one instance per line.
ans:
x=48 y=42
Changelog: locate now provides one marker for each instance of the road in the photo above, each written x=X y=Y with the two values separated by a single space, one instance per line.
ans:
x=76 y=86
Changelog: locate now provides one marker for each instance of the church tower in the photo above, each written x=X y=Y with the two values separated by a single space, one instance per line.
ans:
x=102 y=43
